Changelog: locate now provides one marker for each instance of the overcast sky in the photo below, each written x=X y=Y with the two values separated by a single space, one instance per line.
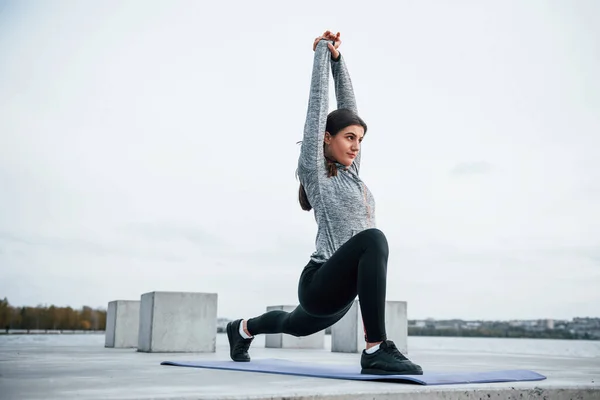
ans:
x=151 y=146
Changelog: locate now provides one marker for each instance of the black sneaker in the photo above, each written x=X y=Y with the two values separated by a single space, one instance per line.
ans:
x=388 y=360
x=238 y=346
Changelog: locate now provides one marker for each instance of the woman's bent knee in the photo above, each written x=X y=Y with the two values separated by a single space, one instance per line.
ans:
x=375 y=234
x=375 y=238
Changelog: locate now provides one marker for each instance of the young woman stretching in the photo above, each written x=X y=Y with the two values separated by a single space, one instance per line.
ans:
x=351 y=254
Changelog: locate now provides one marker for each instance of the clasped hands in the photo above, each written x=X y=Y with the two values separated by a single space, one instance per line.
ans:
x=333 y=47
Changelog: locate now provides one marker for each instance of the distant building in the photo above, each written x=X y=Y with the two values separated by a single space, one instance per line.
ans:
x=472 y=325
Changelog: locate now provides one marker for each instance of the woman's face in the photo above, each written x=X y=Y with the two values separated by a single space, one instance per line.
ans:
x=344 y=146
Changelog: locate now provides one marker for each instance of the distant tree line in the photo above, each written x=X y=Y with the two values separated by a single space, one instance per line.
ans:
x=499 y=332
x=50 y=318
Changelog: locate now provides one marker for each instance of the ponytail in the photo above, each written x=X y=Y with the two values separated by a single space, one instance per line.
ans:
x=303 y=198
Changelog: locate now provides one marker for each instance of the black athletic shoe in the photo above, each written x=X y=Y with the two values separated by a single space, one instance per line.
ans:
x=388 y=360
x=238 y=346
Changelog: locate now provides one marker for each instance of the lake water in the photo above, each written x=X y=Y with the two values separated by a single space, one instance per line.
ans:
x=542 y=347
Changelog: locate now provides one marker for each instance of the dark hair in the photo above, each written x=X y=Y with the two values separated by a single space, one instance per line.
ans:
x=336 y=121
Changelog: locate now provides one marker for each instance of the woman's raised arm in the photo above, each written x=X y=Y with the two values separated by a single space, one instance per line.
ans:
x=344 y=93
x=343 y=85
x=311 y=151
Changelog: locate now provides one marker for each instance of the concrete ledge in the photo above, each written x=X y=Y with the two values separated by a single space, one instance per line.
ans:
x=347 y=335
x=178 y=322
x=447 y=393
x=284 y=341
x=426 y=393
x=122 y=322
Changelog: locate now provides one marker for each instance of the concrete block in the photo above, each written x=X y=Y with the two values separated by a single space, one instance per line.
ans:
x=122 y=322
x=285 y=341
x=348 y=335
x=178 y=322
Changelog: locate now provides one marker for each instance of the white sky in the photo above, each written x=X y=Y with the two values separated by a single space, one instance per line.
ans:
x=152 y=146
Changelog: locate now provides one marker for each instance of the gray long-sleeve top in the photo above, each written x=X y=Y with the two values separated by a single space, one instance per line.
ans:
x=343 y=205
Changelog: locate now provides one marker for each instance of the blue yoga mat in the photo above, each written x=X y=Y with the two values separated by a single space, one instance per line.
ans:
x=352 y=372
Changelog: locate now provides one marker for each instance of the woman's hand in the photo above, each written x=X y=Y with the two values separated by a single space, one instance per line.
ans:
x=333 y=47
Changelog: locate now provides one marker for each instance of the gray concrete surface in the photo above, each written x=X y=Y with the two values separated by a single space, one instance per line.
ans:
x=346 y=332
x=178 y=322
x=122 y=324
x=84 y=369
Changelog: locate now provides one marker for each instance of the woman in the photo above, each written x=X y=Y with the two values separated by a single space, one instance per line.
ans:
x=351 y=254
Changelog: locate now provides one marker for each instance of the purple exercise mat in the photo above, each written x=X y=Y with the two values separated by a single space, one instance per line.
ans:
x=352 y=372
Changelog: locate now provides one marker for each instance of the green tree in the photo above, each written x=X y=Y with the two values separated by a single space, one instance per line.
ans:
x=4 y=314
x=53 y=317
x=15 y=319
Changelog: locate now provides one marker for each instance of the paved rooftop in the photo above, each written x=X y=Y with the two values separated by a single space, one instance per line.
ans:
x=84 y=369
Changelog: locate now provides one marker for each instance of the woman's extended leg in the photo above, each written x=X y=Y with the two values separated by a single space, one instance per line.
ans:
x=295 y=323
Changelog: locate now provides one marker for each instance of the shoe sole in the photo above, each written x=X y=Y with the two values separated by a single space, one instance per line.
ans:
x=230 y=338
x=369 y=371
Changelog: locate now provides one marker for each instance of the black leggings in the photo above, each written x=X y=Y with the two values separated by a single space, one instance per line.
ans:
x=326 y=291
